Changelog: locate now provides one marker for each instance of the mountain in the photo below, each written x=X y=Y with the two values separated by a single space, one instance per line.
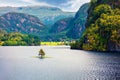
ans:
x=48 y=15
x=102 y=27
x=58 y=30
x=72 y=27
x=61 y=25
x=78 y=23
x=23 y=23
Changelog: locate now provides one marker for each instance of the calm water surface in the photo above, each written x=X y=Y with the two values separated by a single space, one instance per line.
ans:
x=19 y=63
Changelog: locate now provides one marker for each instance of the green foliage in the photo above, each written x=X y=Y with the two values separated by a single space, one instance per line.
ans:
x=41 y=52
x=110 y=26
x=77 y=44
x=103 y=8
x=117 y=11
x=104 y=28
x=93 y=2
x=18 y=39
x=54 y=43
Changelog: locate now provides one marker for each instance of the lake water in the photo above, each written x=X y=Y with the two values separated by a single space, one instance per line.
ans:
x=19 y=63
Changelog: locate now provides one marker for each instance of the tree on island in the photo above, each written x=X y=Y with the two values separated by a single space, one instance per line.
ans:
x=41 y=53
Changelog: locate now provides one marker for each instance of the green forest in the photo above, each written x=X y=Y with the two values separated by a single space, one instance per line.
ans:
x=102 y=28
x=18 y=39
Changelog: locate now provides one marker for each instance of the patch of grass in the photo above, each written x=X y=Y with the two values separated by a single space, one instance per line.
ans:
x=52 y=43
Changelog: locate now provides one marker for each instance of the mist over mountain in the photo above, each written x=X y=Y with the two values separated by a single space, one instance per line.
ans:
x=48 y=15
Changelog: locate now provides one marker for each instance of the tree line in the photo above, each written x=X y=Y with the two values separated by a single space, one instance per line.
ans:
x=18 y=39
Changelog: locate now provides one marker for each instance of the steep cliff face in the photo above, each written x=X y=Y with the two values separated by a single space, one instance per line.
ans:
x=102 y=27
x=19 y=22
x=77 y=26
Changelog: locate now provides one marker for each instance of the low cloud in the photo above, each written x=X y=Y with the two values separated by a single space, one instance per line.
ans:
x=18 y=3
x=73 y=5
x=35 y=2
x=65 y=5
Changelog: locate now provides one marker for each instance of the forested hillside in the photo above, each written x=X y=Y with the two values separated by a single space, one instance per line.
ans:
x=102 y=27
x=18 y=39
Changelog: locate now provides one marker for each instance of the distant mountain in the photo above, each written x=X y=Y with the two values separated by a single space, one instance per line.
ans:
x=72 y=27
x=61 y=25
x=48 y=15
x=23 y=23
x=59 y=29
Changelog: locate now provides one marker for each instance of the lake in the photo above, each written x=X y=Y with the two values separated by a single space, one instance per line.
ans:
x=62 y=63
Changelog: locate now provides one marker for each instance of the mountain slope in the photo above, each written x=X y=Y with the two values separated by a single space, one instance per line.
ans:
x=19 y=22
x=61 y=25
x=48 y=15
x=72 y=27
x=102 y=27
x=77 y=25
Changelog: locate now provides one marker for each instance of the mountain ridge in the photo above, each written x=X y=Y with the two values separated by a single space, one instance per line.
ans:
x=20 y=22
x=48 y=15
x=72 y=27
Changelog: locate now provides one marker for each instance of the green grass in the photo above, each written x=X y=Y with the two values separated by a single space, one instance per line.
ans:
x=52 y=43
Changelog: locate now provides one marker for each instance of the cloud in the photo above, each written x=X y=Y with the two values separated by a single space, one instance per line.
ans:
x=73 y=5
x=35 y=2
x=65 y=5
x=53 y=2
x=17 y=3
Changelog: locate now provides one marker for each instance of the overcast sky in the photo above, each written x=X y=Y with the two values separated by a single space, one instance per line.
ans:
x=66 y=5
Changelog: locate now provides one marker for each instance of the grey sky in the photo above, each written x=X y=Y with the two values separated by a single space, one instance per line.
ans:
x=66 y=5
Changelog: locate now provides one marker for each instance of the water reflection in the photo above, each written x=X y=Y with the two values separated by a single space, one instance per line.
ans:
x=17 y=63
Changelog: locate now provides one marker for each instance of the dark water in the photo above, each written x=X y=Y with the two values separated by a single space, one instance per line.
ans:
x=19 y=63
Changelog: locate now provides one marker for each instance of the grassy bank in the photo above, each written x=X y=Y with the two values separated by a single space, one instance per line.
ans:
x=54 y=43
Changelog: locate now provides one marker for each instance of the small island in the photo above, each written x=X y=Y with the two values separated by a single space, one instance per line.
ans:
x=41 y=53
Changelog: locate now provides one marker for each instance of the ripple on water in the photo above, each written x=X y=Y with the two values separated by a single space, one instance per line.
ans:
x=22 y=63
